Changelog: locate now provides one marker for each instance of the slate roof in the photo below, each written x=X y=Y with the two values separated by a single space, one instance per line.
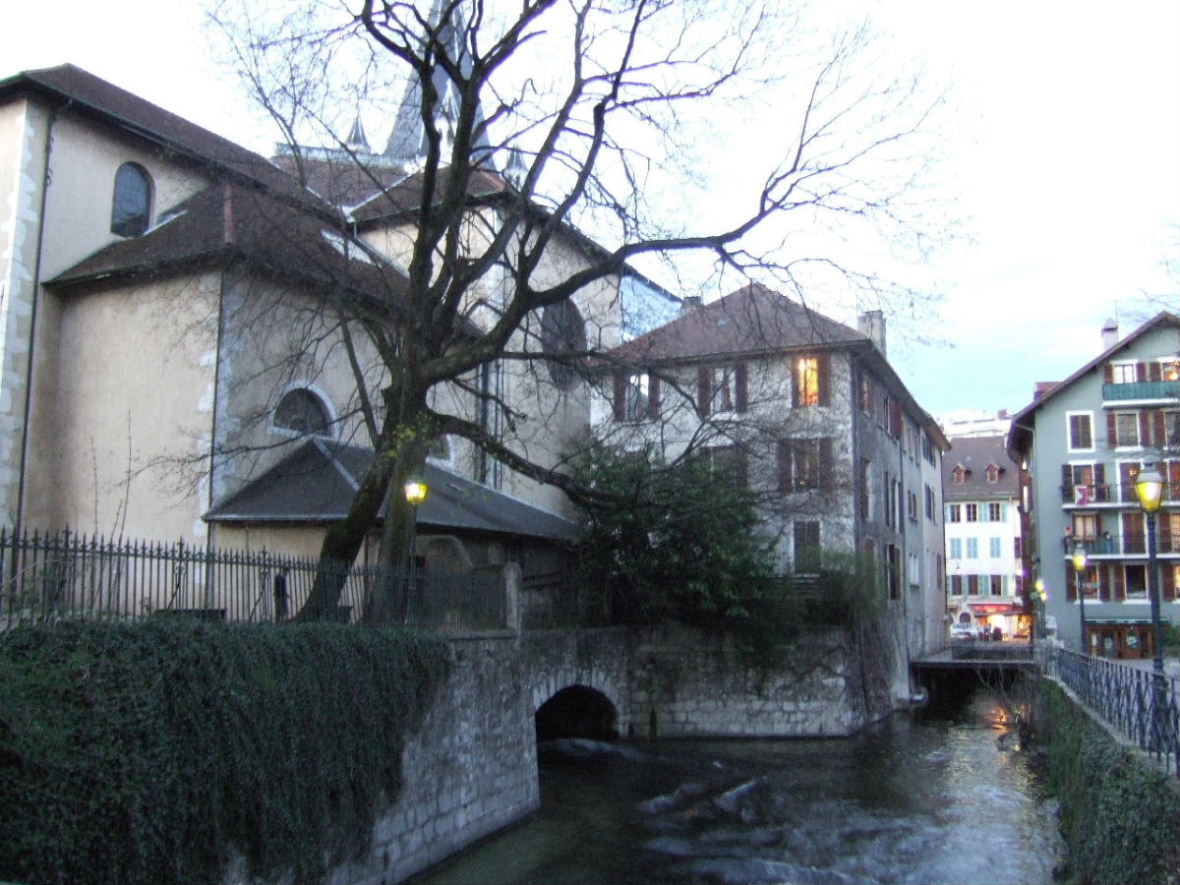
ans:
x=226 y=222
x=316 y=484
x=752 y=320
x=92 y=96
x=405 y=197
x=975 y=453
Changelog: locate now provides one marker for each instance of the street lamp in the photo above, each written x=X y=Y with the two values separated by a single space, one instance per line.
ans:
x=1149 y=486
x=1042 y=597
x=415 y=491
x=1079 y=566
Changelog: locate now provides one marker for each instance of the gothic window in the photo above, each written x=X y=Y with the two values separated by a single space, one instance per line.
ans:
x=131 y=206
x=302 y=412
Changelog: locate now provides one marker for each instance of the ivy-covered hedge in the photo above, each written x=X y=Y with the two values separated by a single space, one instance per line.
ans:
x=1118 y=815
x=156 y=752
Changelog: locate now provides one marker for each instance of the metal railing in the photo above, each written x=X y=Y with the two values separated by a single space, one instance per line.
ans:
x=1141 y=390
x=1144 y=708
x=48 y=577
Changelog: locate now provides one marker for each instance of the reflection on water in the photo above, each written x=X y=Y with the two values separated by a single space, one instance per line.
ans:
x=939 y=798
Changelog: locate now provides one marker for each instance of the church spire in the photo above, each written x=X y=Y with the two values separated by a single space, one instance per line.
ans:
x=407 y=142
x=357 y=142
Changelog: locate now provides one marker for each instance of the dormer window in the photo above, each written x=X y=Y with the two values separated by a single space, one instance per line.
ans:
x=959 y=475
x=131 y=205
x=993 y=473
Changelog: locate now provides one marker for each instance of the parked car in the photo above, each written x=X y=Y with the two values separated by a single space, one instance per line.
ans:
x=962 y=631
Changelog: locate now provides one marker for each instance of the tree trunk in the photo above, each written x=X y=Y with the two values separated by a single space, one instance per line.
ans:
x=343 y=542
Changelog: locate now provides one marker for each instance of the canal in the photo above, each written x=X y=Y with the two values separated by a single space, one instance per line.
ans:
x=942 y=795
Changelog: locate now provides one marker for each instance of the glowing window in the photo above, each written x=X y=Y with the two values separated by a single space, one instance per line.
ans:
x=807 y=380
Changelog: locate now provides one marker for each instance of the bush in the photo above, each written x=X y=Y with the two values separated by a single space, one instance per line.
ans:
x=156 y=751
x=1118 y=815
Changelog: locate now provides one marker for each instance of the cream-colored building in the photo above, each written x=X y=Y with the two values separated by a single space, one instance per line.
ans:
x=167 y=345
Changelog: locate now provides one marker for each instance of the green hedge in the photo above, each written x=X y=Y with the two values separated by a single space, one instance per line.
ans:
x=155 y=752
x=1119 y=815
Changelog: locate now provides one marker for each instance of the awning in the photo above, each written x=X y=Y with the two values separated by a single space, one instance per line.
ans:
x=995 y=608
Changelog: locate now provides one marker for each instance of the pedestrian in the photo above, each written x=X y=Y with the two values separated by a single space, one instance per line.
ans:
x=280 y=591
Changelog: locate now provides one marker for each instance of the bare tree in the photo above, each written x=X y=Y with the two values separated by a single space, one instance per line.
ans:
x=517 y=126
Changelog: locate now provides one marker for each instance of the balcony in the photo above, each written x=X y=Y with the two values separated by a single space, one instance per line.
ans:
x=1141 y=391
x=1112 y=493
x=1128 y=544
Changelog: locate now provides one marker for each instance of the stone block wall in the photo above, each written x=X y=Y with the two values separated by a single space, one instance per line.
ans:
x=469 y=771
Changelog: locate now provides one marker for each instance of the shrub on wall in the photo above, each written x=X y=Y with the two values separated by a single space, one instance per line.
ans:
x=160 y=751
x=1118 y=815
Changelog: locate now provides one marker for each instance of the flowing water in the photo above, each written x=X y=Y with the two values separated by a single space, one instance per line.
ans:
x=943 y=796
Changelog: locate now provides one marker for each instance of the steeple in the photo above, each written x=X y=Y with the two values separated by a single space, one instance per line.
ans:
x=407 y=141
x=356 y=141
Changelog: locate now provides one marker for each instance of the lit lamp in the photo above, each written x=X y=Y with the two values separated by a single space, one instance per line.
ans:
x=1079 y=567
x=1149 y=486
x=415 y=490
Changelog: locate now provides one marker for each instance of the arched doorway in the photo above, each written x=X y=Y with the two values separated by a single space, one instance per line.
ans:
x=577 y=711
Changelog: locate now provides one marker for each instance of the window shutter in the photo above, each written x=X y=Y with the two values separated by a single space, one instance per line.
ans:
x=784 y=465
x=1144 y=428
x=1071 y=586
x=1159 y=432
x=793 y=363
x=1154 y=372
x=1140 y=371
x=704 y=393
x=1120 y=584
x=1066 y=483
x=653 y=396
x=741 y=383
x=1101 y=492
x=1168 y=584
x=1108 y=373
x=620 y=399
x=1105 y=590
x=1112 y=434
x=827 y=469
x=1165 y=532
x=824 y=360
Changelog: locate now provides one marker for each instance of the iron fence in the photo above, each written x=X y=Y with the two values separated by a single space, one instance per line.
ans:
x=1143 y=707
x=54 y=576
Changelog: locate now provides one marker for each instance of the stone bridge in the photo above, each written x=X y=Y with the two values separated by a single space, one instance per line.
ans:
x=471 y=769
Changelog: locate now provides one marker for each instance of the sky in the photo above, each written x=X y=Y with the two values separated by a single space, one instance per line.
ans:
x=1064 y=155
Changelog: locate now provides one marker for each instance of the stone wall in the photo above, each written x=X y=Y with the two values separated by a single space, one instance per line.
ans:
x=472 y=768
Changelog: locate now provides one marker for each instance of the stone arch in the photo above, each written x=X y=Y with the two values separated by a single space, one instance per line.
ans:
x=577 y=711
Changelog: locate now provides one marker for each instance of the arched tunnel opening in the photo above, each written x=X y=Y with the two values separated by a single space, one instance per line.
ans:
x=577 y=712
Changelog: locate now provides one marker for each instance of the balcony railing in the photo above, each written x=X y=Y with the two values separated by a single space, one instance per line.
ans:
x=1127 y=544
x=1141 y=390
x=1111 y=493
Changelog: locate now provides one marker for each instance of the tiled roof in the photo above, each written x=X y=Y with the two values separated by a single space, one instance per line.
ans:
x=88 y=94
x=406 y=196
x=316 y=484
x=975 y=454
x=342 y=180
x=754 y=319
x=225 y=222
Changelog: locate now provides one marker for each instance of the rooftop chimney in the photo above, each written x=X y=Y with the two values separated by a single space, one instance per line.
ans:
x=872 y=324
x=689 y=303
x=1110 y=334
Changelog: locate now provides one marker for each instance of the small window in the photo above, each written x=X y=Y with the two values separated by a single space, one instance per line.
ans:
x=302 y=412
x=131 y=206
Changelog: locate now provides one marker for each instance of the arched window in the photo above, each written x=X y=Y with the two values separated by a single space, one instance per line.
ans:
x=303 y=412
x=131 y=207
x=562 y=331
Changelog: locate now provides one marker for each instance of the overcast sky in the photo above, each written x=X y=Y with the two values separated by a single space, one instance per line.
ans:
x=1066 y=159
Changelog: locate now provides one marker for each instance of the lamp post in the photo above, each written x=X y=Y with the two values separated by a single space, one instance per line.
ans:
x=1149 y=486
x=1041 y=597
x=415 y=491
x=1079 y=566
